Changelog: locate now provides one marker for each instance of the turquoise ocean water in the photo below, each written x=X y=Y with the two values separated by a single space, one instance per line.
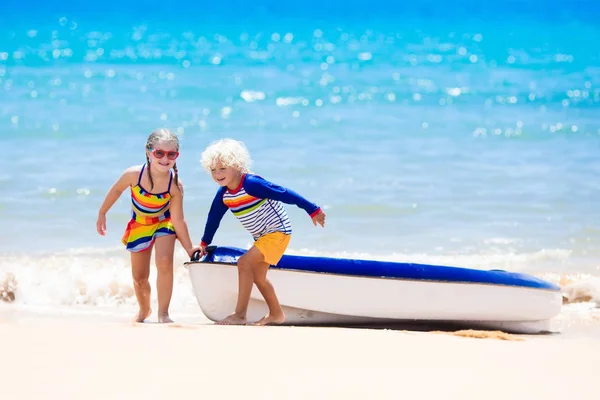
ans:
x=459 y=134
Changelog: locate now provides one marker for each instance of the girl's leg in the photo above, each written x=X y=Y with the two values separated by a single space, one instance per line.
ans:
x=245 y=282
x=164 y=247
x=140 y=271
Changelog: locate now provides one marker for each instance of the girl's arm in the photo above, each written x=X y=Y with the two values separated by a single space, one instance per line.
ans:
x=127 y=178
x=178 y=219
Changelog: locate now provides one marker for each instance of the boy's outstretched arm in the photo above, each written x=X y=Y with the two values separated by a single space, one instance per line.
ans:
x=259 y=187
x=215 y=214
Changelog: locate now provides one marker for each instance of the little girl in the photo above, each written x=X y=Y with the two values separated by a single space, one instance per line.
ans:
x=257 y=203
x=156 y=220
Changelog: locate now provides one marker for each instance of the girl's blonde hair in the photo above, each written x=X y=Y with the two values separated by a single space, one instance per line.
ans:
x=230 y=152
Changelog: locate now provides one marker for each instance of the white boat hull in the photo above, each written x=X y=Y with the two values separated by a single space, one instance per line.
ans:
x=313 y=298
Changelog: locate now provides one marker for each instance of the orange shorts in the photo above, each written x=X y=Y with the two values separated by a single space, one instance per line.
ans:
x=272 y=246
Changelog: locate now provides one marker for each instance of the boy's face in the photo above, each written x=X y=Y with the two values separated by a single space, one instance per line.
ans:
x=225 y=176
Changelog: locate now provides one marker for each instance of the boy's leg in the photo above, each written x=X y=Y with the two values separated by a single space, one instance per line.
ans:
x=245 y=282
x=275 y=315
x=140 y=271
x=164 y=247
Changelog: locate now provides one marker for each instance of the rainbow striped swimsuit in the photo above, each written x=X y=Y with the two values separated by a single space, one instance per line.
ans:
x=150 y=217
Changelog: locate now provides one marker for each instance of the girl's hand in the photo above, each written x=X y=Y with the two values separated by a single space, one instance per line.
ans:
x=319 y=219
x=101 y=224
x=195 y=249
x=201 y=250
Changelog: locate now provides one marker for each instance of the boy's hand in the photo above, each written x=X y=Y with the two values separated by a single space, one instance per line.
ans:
x=319 y=219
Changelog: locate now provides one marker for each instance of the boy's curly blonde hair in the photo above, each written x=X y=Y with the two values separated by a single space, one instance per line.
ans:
x=230 y=152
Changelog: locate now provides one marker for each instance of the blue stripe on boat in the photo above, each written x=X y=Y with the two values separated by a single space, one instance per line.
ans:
x=386 y=269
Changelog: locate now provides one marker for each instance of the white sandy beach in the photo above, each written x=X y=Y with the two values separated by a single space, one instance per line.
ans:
x=56 y=348
x=43 y=358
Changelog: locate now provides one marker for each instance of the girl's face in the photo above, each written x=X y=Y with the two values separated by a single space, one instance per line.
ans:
x=225 y=176
x=163 y=155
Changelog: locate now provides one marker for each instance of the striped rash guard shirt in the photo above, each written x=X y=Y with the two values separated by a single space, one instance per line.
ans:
x=257 y=203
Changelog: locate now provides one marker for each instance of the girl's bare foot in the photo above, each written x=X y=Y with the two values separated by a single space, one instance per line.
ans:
x=164 y=319
x=233 y=319
x=143 y=314
x=271 y=319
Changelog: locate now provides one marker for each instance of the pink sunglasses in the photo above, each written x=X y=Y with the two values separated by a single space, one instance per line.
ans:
x=171 y=155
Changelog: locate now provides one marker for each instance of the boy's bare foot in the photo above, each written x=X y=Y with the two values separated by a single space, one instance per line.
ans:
x=271 y=320
x=142 y=315
x=233 y=319
x=164 y=319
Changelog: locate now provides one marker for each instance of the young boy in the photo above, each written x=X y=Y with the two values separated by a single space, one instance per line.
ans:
x=257 y=203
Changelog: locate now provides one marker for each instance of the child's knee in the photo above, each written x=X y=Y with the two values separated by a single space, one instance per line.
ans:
x=164 y=263
x=141 y=281
x=244 y=264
